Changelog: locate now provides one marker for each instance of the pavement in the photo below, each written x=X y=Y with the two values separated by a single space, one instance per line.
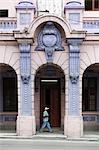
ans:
x=88 y=136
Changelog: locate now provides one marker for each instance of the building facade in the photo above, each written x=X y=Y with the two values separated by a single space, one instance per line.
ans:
x=49 y=57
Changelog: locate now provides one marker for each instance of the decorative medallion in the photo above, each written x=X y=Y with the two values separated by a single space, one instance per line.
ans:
x=49 y=40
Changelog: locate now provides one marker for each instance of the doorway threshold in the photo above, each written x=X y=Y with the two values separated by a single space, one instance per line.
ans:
x=48 y=135
x=57 y=133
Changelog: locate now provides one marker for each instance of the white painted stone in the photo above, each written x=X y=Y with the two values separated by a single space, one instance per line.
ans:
x=26 y=125
x=73 y=126
x=53 y=6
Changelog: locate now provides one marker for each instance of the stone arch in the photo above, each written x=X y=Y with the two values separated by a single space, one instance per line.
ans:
x=90 y=97
x=64 y=24
x=63 y=67
x=10 y=56
x=88 y=58
x=9 y=97
x=44 y=64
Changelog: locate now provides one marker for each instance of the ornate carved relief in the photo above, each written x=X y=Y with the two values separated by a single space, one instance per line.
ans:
x=74 y=59
x=74 y=78
x=25 y=78
x=25 y=62
x=49 y=40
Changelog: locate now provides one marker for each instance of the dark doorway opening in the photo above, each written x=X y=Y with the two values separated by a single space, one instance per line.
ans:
x=10 y=94
x=8 y=98
x=50 y=97
x=90 y=98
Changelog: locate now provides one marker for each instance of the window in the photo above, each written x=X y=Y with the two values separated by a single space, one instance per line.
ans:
x=89 y=95
x=10 y=94
x=96 y=4
x=4 y=13
x=25 y=18
x=74 y=18
x=91 y=4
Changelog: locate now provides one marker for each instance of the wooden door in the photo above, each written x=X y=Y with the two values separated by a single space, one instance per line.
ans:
x=50 y=97
x=55 y=107
x=10 y=94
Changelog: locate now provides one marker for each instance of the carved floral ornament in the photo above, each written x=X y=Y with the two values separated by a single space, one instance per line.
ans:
x=49 y=40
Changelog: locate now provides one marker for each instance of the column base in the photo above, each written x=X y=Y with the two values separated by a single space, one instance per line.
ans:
x=26 y=125
x=73 y=126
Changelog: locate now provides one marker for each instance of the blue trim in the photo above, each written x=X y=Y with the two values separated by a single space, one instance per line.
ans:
x=25 y=2
x=74 y=5
x=25 y=65
x=74 y=66
x=73 y=2
x=25 y=5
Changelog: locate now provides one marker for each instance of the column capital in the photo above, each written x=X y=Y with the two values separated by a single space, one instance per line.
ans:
x=74 y=41
x=74 y=45
x=24 y=47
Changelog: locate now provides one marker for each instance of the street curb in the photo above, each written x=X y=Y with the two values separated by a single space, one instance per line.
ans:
x=44 y=137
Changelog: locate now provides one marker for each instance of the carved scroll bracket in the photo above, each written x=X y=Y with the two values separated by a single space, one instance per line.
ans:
x=24 y=48
x=25 y=57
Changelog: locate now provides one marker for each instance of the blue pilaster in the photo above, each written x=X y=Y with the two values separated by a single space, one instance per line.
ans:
x=25 y=65
x=74 y=66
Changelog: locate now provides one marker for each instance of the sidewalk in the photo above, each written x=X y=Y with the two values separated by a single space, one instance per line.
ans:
x=88 y=136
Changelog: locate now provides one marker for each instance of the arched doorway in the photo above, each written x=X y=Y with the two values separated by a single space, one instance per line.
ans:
x=50 y=97
x=90 y=98
x=50 y=84
x=8 y=98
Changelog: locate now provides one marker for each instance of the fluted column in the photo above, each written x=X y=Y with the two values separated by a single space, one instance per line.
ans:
x=74 y=66
x=25 y=65
x=26 y=121
x=74 y=118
